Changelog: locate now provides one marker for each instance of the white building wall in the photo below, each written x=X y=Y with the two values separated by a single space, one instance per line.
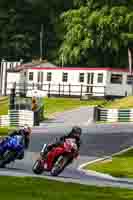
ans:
x=12 y=78
x=73 y=80
x=98 y=89
x=3 y=73
x=118 y=89
x=127 y=87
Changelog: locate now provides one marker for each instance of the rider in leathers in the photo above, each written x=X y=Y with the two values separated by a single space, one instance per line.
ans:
x=75 y=133
x=25 y=132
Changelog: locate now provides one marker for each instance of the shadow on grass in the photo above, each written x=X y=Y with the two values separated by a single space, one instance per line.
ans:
x=119 y=174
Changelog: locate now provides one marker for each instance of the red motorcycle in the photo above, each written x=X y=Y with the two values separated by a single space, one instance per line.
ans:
x=57 y=159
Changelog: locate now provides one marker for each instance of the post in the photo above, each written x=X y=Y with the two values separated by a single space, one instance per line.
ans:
x=24 y=89
x=41 y=42
x=49 y=89
x=81 y=91
x=96 y=114
x=59 y=90
x=3 y=77
x=1 y=68
x=130 y=60
x=69 y=90
x=12 y=97
x=130 y=65
x=63 y=89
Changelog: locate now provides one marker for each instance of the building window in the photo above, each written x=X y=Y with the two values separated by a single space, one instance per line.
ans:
x=65 y=77
x=81 y=77
x=30 y=76
x=49 y=76
x=100 y=78
x=116 y=78
x=25 y=74
x=129 y=79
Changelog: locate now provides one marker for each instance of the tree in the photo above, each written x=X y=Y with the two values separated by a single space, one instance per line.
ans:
x=15 y=37
x=20 y=31
x=102 y=29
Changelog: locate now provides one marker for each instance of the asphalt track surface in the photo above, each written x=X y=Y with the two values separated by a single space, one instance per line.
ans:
x=97 y=141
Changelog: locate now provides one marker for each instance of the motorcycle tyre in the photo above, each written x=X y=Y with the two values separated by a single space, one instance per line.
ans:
x=37 y=168
x=56 y=170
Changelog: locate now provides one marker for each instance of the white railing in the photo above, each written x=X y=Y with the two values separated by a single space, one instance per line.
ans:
x=17 y=118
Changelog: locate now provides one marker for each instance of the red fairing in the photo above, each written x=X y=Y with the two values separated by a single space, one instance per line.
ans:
x=53 y=154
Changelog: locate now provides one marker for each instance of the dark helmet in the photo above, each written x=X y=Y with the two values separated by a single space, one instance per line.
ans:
x=76 y=131
x=26 y=130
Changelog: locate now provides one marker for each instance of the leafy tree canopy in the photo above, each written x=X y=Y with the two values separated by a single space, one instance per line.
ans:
x=102 y=29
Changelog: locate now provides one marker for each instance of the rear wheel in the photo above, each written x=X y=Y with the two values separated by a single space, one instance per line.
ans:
x=59 y=165
x=37 y=167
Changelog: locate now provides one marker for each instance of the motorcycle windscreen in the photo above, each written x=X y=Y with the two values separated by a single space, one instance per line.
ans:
x=14 y=142
x=43 y=148
x=19 y=138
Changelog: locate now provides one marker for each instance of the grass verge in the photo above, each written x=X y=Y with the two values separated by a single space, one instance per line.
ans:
x=5 y=130
x=38 y=189
x=124 y=103
x=53 y=105
x=118 y=166
x=3 y=106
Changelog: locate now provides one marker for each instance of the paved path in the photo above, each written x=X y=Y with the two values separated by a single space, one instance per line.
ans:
x=97 y=140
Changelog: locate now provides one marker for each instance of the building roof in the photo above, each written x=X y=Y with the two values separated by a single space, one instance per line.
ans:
x=40 y=65
x=45 y=65
x=37 y=65
x=80 y=68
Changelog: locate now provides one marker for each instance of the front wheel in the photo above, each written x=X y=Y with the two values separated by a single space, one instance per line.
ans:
x=37 y=167
x=7 y=158
x=59 y=165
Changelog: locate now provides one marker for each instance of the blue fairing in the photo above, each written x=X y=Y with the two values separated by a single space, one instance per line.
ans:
x=12 y=143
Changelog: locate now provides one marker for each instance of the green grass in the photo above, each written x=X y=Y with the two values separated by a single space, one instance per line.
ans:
x=3 y=106
x=5 y=130
x=40 y=189
x=118 y=166
x=123 y=103
x=53 y=105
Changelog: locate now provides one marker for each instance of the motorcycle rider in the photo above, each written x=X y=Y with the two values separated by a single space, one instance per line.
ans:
x=25 y=132
x=75 y=133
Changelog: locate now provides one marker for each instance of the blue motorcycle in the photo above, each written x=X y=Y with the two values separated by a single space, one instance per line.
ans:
x=10 y=149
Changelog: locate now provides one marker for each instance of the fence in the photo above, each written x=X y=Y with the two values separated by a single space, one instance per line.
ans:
x=114 y=115
x=17 y=118
x=49 y=89
x=20 y=113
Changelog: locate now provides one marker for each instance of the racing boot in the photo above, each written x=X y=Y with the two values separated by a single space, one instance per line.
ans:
x=20 y=156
